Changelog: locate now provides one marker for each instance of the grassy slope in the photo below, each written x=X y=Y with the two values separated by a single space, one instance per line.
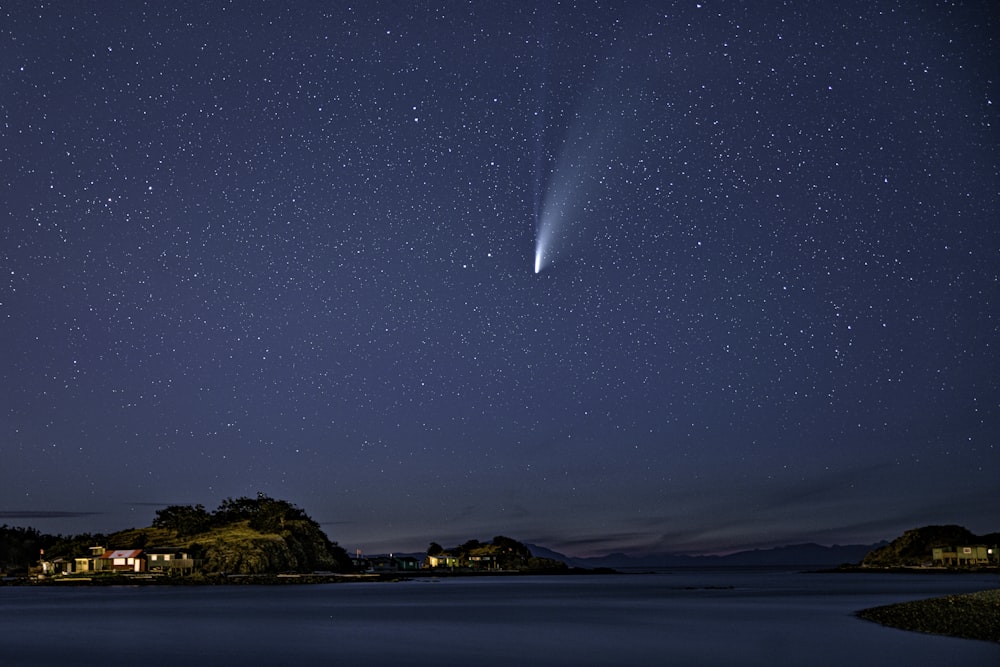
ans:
x=234 y=548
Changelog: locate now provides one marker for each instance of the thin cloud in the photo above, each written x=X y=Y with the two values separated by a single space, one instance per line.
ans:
x=45 y=514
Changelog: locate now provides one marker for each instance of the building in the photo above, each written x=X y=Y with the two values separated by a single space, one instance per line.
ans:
x=170 y=560
x=123 y=560
x=407 y=563
x=91 y=563
x=974 y=554
x=388 y=563
x=443 y=560
x=484 y=562
x=57 y=566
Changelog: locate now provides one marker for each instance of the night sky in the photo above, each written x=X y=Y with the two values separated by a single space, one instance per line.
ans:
x=291 y=248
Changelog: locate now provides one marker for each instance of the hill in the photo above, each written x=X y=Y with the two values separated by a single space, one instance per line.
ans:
x=914 y=546
x=502 y=553
x=258 y=535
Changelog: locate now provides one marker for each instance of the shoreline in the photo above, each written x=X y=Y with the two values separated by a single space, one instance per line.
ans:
x=283 y=579
x=964 y=616
x=210 y=580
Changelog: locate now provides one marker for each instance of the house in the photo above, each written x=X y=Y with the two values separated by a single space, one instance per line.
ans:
x=91 y=563
x=382 y=564
x=388 y=563
x=977 y=554
x=407 y=563
x=484 y=562
x=57 y=566
x=974 y=554
x=443 y=560
x=944 y=556
x=360 y=563
x=123 y=560
x=169 y=560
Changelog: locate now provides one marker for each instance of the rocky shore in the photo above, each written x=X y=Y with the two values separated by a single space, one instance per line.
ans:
x=970 y=616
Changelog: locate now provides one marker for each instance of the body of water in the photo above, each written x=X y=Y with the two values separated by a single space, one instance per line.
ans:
x=683 y=617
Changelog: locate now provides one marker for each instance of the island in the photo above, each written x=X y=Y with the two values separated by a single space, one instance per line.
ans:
x=244 y=540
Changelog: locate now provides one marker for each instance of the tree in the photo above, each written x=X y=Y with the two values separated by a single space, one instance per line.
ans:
x=21 y=547
x=435 y=549
x=469 y=547
x=511 y=546
x=184 y=519
x=510 y=553
x=263 y=512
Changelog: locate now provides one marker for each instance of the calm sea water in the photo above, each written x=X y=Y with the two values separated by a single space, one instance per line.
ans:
x=702 y=617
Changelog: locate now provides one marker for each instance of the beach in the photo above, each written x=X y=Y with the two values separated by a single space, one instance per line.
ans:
x=970 y=615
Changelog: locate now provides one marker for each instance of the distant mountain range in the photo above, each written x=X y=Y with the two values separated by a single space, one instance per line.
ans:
x=798 y=555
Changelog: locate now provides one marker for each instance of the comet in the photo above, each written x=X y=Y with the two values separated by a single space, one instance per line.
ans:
x=591 y=141
x=559 y=207
x=562 y=212
x=543 y=235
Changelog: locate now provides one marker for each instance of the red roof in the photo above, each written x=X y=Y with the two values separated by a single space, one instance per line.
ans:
x=121 y=553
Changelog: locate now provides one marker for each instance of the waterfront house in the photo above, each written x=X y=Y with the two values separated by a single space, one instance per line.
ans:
x=389 y=563
x=484 y=562
x=407 y=563
x=56 y=566
x=974 y=554
x=91 y=563
x=382 y=564
x=443 y=560
x=170 y=560
x=123 y=560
